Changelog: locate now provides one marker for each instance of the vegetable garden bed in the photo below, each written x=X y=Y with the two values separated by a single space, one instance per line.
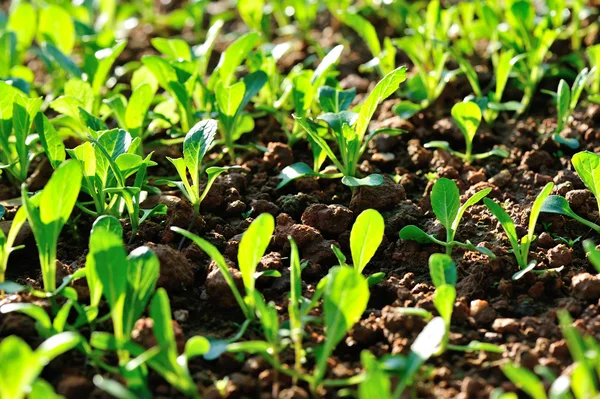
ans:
x=298 y=199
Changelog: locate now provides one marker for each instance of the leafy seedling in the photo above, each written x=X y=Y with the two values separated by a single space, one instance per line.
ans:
x=566 y=101
x=587 y=166
x=593 y=254
x=349 y=130
x=467 y=116
x=48 y=212
x=521 y=247
x=20 y=366
x=445 y=201
x=7 y=241
x=198 y=141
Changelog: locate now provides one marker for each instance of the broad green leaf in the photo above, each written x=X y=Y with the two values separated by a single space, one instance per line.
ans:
x=56 y=345
x=318 y=76
x=233 y=56
x=174 y=49
x=334 y=100
x=196 y=346
x=51 y=140
x=442 y=270
x=142 y=275
x=467 y=116
x=252 y=247
x=293 y=172
x=252 y=85
x=372 y=180
x=505 y=220
x=563 y=100
x=365 y=237
x=526 y=380
x=364 y=29
x=63 y=60
x=229 y=98
x=587 y=165
x=22 y=20
x=251 y=12
x=443 y=299
x=56 y=26
x=412 y=232
x=160 y=311
x=445 y=201
x=8 y=53
x=196 y=143
x=377 y=383
x=384 y=88
x=161 y=69
x=345 y=300
x=18 y=369
x=106 y=58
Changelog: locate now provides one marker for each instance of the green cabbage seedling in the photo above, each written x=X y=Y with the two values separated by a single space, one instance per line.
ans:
x=520 y=247
x=467 y=116
x=7 y=241
x=231 y=102
x=20 y=366
x=566 y=100
x=350 y=132
x=587 y=166
x=445 y=201
x=344 y=301
x=48 y=212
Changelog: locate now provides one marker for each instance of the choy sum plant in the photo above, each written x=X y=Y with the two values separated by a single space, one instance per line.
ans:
x=20 y=366
x=17 y=145
x=445 y=201
x=198 y=141
x=467 y=116
x=566 y=101
x=231 y=103
x=521 y=247
x=48 y=212
x=350 y=133
x=252 y=247
x=587 y=166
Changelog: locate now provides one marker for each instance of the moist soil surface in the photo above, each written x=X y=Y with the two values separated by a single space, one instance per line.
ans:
x=519 y=316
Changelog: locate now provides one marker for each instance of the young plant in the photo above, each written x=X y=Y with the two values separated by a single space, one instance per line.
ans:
x=445 y=202
x=7 y=241
x=587 y=166
x=443 y=275
x=198 y=141
x=467 y=116
x=593 y=254
x=231 y=102
x=252 y=247
x=17 y=145
x=521 y=247
x=365 y=237
x=20 y=366
x=349 y=130
x=593 y=55
x=566 y=101
x=47 y=213
x=344 y=300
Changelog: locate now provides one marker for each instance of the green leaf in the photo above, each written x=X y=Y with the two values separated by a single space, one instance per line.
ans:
x=251 y=12
x=525 y=380
x=530 y=266
x=142 y=275
x=252 y=247
x=442 y=270
x=376 y=384
x=57 y=345
x=174 y=49
x=160 y=311
x=106 y=58
x=373 y=180
x=364 y=29
x=196 y=346
x=229 y=98
x=51 y=140
x=22 y=20
x=428 y=341
x=233 y=56
x=587 y=165
x=384 y=88
x=443 y=300
x=407 y=109
x=56 y=26
x=507 y=224
x=333 y=100
x=293 y=172
x=113 y=388
x=445 y=201
x=63 y=61
x=467 y=116
x=365 y=237
x=412 y=232
x=593 y=254
x=478 y=196
x=196 y=143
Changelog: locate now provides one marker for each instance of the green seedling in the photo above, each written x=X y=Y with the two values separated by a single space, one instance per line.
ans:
x=593 y=55
x=47 y=213
x=198 y=141
x=20 y=366
x=443 y=274
x=467 y=116
x=365 y=237
x=17 y=145
x=445 y=201
x=344 y=300
x=566 y=100
x=349 y=130
x=7 y=241
x=521 y=247
x=231 y=102
x=587 y=166
x=593 y=254
x=252 y=247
